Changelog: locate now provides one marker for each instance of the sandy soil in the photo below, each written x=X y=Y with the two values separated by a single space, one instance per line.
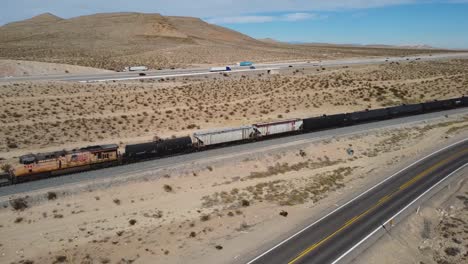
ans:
x=43 y=116
x=212 y=211
x=437 y=234
x=26 y=68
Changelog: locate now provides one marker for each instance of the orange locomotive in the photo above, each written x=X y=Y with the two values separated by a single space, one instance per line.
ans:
x=33 y=166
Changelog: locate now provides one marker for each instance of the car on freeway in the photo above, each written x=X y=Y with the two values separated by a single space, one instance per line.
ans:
x=142 y=74
x=252 y=67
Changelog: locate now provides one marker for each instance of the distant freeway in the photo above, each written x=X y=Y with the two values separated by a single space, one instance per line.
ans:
x=330 y=238
x=157 y=74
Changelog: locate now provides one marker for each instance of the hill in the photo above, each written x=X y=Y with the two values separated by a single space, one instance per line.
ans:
x=115 y=40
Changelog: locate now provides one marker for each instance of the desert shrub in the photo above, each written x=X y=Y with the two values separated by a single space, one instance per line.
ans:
x=245 y=203
x=204 y=218
x=283 y=213
x=6 y=167
x=51 y=195
x=167 y=188
x=132 y=221
x=19 y=204
x=60 y=259
x=452 y=251
x=12 y=145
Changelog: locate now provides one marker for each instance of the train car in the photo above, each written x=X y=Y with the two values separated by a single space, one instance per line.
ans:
x=60 y=162
x=369 y=115
x=325 y=121
x=223 y=136
x=158 y=148
x=433 y=106
x=403 y=110
x=174 y=145
x=464 y=100
x=448 y=103
x=279 y=127
x=457 y=102
x=134 y=151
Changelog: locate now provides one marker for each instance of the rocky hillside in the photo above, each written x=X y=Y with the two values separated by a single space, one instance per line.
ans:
x=115 y=40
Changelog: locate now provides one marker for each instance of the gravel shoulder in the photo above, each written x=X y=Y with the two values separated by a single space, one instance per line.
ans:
x=435 y=234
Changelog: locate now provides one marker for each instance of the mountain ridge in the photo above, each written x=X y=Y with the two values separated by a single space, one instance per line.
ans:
x=115 y=40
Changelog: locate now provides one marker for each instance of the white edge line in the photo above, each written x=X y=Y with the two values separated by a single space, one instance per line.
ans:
x=175 y=75
x=355 y=198
x=401 y=211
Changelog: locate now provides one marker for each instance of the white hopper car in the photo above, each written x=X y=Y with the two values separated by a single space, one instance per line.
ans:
x=221 y=136
x=273 y=128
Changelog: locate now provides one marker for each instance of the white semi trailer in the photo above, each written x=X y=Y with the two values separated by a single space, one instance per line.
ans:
x=220 y=69
x=136 y=68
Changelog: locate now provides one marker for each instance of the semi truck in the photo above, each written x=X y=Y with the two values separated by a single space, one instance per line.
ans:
x=136 y=68
x=245 y=63
x=219 y=69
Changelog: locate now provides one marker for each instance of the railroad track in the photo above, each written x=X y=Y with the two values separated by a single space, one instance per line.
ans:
x=104 y=155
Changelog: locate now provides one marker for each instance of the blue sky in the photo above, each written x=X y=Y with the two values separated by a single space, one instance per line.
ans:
x=397 y=22
x=439 y=25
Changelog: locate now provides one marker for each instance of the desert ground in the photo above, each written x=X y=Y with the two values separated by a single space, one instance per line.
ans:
x=28 y=68
x=213 y=211
x=115 y=40
x=436 y=234
x=46 y=116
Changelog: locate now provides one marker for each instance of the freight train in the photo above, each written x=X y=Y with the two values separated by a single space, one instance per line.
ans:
x=42 y=165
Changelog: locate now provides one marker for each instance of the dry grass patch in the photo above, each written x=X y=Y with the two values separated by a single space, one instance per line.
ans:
x=282 y=192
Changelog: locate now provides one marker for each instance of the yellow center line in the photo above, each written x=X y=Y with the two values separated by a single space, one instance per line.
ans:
x=385 y=198
x=381 y=201
x=351 y=221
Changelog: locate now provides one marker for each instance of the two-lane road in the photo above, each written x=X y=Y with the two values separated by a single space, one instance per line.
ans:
x=329 y=238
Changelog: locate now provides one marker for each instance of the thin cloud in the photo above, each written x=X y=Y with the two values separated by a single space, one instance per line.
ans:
x=290 y=17
x=240 y=19
x=299 y=16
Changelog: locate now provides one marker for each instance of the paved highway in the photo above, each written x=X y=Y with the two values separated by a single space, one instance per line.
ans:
x=215 y=154
x=329 y=238
x=121 y=76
